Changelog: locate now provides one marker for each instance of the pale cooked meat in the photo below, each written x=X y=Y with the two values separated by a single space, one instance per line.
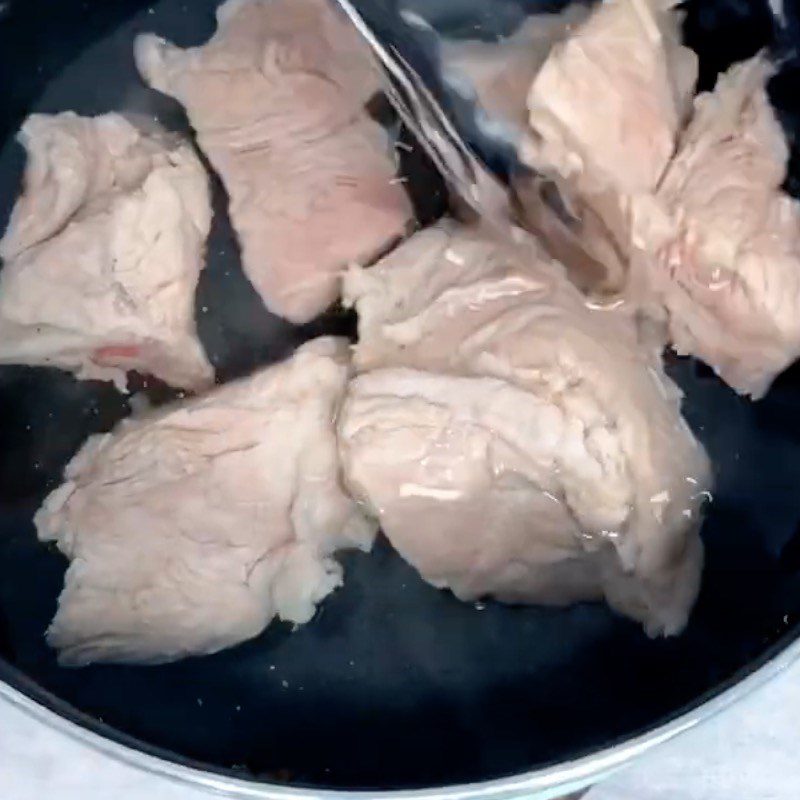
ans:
x=605 y=110
x=103 y=252
x=188 y=531
x=721 y=240
x=277 y=99
x=610 y=99
x=74 y=162
x=513 y=442
x=713 y=241
x=500 y=73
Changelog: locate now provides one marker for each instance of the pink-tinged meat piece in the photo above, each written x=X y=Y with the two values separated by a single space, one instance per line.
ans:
x=277 y=98
x=610 y=99
x=73 y=164
x=500 y=73
x=103 y=252
x=605 y=111
x=515 y=443
x=111 y=354
x=190 y=529
x=721 y=241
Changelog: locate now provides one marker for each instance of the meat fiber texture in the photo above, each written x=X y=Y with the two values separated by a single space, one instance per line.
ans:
x=513 y=442
x=277 y=98
x=720 y=242
x=188 y=531
x=103 y=252
x=605 y=111
x=697 y=213
x=611 y=98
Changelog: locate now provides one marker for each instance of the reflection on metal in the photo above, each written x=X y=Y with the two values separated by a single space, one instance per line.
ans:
x=550 y=783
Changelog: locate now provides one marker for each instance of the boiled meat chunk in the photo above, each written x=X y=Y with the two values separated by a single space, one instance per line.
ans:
x=605 y=111
x=190 y=530
x=721 y=241
x=514 y=443
x=277 y=99
x=103 y=252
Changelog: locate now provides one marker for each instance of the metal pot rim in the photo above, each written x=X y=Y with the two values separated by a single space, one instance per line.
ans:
x=543 y=784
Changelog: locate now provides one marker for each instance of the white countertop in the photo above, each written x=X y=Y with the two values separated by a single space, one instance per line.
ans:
x=750 y=752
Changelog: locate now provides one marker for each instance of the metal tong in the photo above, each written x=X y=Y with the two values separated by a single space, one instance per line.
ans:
x=393 y=43
x=532 y=202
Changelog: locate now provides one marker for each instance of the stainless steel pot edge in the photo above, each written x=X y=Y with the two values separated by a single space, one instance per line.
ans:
x=543 y=784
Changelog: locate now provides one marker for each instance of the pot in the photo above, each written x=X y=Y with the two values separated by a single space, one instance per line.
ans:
x=395 y=689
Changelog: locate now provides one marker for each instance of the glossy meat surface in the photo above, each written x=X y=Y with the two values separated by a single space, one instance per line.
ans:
x=513 y=442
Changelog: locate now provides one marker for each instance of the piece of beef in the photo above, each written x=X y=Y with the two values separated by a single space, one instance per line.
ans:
x=277 y=98
x=189 y=530
x=103 y=252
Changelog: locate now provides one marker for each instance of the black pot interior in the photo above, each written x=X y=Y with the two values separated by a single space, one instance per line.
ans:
x=394 y=684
